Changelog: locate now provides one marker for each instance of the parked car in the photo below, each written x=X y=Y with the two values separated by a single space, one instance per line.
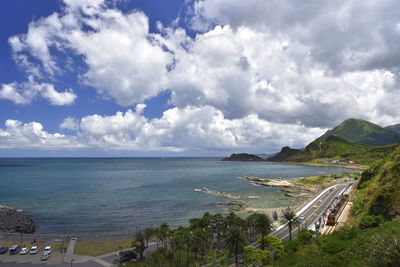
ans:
x=315 y=206
x=127 y=256
x=14 y=249
x=24 y=251
x=34 y=250
x=320 y=201
x=48 y=249
x=45 y=256
x=301 y=217
x=3 y=250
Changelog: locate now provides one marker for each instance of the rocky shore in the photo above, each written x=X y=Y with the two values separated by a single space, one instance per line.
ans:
x=15 y=221
x=216 y=193
x=290 y=188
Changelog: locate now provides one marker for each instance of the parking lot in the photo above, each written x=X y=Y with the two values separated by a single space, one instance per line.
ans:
x=55 y=257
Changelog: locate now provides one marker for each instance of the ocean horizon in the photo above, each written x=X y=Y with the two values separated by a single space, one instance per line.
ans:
x=117 y=195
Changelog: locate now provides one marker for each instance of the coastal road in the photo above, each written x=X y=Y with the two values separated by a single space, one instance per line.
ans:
x=312 y=212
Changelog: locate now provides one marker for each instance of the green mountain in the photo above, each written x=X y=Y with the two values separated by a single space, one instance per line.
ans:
x=363 y=132
x=284 y=155
x=335 y=148
x=395 y=127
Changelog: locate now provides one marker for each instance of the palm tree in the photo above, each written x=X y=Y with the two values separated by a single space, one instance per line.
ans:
x=148 y=233
x=290 y=220
x=169 y=256
x=163 y=232
x=235 y=242
x=264 y=225
x=139 y=242
x=157 y=233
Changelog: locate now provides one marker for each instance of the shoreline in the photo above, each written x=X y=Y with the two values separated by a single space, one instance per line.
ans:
x=240 y=209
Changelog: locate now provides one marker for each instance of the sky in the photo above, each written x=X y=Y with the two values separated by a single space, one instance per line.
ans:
x=191 y=77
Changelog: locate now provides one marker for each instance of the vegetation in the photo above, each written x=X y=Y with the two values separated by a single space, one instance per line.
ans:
x=363 y=132
x=284 y=155
x=372 y=238
x=235 y=242
x=291 y=221
x=336 y=148
x=211 y=238
x=350 y=246
x=264 y=225
x=324 y=179
x=395 y=127
x=243 y=157
x=379 y=192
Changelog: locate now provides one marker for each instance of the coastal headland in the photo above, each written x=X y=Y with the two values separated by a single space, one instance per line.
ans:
x=15 y=221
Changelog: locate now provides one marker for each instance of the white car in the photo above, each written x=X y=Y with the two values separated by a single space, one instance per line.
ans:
x=48 y=249
x=34 y=250
x=320 y=201
x=301 y=217
x=24 y=251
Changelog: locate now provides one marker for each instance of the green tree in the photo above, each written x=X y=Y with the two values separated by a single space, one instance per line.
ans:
x=148 y=233
x=264 y=225
x=139 y=242
x=235 y=242
x=169 y=255
x=199 y=239
x=163 y=233
x=274 y=244
x=291 y=221
x=257 y=256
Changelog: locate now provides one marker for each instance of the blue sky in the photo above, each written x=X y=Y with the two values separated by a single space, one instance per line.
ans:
x=187 y=78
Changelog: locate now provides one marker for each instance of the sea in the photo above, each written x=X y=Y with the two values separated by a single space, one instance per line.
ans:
x=121 y=195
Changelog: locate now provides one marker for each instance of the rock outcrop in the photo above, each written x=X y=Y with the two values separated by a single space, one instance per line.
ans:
x=15 y=221
x=273 y=183
x=243 y=157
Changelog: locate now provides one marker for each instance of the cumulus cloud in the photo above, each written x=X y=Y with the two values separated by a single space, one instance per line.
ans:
x=24 y=93
x=188 y=129
x=70 y=123
x=245 y=71
x=254 y=71
x=124 y=61
x=17 y=134
x=345 y=35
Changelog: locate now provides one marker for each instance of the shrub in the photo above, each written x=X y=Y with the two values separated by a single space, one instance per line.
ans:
x=257 y=256
x=370 y=221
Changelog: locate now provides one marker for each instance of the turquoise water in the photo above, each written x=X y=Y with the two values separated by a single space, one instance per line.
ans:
x=119 y=195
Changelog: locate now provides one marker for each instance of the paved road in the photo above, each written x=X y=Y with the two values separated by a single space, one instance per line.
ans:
x=312 y=214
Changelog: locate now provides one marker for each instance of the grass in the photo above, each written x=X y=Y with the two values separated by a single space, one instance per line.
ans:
x=323 y=179
x=95 y=249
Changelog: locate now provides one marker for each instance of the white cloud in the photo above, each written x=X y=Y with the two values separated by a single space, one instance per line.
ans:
x=123 y=59
x=269 y=72
x=57 y=99
x=70 y=123
x=246 y=71
x=9 y=92
x=203 y=129
x=24 y=93
x=31 y=135
x=190 y=129
x=347 y=35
